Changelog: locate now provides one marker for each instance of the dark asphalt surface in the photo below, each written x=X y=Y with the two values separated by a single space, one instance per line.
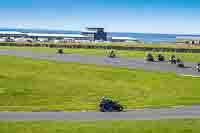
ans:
x=131 y=63
x=143 y=114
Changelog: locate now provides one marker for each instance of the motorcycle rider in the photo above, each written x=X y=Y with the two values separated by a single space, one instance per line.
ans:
x=105 y=100
x=60 y=51
x=160 y=57
x=198 y=67
x=112 y=53
x=149 y=57
x=173 y=59
x=105 y=103
x=108 y=105
x=178 y=60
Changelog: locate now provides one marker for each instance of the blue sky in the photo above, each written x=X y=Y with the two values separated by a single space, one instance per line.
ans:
x=152 y=16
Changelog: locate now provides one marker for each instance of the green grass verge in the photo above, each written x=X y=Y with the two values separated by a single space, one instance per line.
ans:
x=124 y=44
x=194 y=57
x=161 y=126
x=40 y=85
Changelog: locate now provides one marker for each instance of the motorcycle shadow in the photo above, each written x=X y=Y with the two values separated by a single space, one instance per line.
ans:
x=187 y=67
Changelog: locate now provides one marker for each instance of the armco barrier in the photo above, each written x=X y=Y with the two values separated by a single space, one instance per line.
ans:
x=133 y=48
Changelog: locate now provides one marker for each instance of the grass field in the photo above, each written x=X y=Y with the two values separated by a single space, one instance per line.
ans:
x=40 y=85
x=162 y=126
x=195 y=57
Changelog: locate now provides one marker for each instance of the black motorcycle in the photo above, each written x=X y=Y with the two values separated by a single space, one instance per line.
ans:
x=173 y=59
x=180 y=63
x=150 y=58
x=112 y=54
x=110 y=106
x=198 y=67
x=161 y=57
x=60 y=51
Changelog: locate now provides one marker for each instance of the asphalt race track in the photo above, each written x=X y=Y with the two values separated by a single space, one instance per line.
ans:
x=143 y=114
x=131 y=63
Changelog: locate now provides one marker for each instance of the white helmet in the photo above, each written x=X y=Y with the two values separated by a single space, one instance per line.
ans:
x=103 y=97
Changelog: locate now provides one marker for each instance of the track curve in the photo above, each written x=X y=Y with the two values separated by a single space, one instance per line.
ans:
x=131 y=63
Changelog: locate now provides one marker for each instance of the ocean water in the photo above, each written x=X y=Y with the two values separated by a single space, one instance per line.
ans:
x=146 y=37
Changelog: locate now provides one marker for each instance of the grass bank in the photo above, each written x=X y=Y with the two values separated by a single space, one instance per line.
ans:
x=194 y=57
x=162 y=126
x=124 y=44
x=40 y=85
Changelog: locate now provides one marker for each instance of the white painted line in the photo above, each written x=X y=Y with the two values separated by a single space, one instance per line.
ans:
x=194 y=76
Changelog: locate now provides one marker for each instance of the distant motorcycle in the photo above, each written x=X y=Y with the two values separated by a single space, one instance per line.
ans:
x=112 y=54
x=149 y=57
x=60 y=51
x=198 y=67
x=110 y=106
x=180 y=63
x=173 y=59
x=161 y=57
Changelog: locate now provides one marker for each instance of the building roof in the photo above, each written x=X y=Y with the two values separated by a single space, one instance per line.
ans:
x=12 y=33
x=42 y=34
x=94 y=28
x=188 y=37
x=124 y=38
x=57 y=35
x=88 y=31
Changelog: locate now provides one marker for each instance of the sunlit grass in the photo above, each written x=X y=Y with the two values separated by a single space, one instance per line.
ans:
x=161 y=126
x=40 y=85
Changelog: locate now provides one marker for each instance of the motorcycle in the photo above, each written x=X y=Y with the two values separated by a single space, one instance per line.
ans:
x=161 y=57
x=198 y=67
x=60 y=51
x=150 y=58
x=112 y=54
x=110 y=106
x=180 y=64
x=173 y=59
